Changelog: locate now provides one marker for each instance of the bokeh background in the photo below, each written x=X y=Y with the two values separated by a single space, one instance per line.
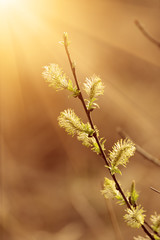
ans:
x=49 y=183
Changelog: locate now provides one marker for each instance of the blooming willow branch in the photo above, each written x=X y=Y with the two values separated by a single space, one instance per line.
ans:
x=74 y=126
x=88 y=134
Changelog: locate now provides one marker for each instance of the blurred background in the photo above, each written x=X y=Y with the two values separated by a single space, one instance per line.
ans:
x=49 y=183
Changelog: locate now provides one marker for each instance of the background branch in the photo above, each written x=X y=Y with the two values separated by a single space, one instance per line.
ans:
x=96 y=137
x=155 y=190
x=139 y=149
x=146 y=34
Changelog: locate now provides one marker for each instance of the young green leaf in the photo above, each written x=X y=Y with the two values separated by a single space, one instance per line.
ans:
x=133 y=196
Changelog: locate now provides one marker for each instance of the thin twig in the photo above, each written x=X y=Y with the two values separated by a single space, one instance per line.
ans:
x=146 y=34
x=96 y=137
x=139 y=149
x=155 y=190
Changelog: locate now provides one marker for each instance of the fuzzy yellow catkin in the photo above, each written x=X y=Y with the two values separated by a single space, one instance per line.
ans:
x=135 y=216
x=121 y=152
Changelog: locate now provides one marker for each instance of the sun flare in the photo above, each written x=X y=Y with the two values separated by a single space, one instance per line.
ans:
x=6 y=3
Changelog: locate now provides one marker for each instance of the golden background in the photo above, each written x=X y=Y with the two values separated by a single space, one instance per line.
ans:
x=49 y=183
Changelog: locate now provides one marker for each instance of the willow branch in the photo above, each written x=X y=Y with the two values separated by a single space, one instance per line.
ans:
x=139 y=149
x=146 y=34
x=92 y=125
x=95 y=135
x=83 y=103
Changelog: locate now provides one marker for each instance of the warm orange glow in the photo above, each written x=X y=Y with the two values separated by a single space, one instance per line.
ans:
x=22 y=42
x=39 y=191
